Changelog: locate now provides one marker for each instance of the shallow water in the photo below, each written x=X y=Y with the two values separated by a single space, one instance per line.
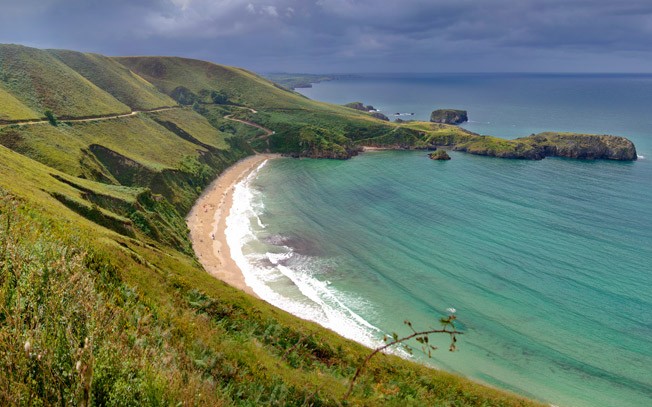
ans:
x=547 y=262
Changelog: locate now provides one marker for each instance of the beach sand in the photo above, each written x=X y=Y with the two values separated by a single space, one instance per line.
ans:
x=207 y=223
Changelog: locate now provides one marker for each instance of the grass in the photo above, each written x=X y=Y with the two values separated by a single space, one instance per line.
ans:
x=215 y=116
x=284 y=111
x=41 y=82
x=140 y=139
x=13 y=109
x=114 y=78
x=58 y=147
x=201 y=77
x=196 y=125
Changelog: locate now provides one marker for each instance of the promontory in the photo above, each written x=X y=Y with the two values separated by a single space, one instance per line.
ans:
x=449 y=116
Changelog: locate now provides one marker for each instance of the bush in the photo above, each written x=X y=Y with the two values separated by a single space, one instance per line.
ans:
x=51 y=117
x=219 y=98
x=183 y=96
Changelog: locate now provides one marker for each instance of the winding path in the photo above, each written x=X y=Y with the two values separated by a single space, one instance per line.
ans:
x=133 y=113
x=91 y=119
x=267 y=131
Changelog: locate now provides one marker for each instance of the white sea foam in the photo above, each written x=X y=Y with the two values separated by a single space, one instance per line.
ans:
x=641 y=157
x=286 y=279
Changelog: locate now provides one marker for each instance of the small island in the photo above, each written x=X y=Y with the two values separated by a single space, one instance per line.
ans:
x=449 y=116
x=440 y=155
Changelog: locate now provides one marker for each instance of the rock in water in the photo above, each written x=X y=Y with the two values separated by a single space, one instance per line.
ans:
x=449 y=116
x=439 y=155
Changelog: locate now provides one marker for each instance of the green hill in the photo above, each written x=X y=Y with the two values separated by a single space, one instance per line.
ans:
x=42 y=82
x=103 y=300
x=302 y=126
x=114 y=78
x=12 y=109
x=197 y=79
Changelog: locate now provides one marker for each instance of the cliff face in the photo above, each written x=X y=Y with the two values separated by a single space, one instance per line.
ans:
x=549 y=144
x=380 y=116
x=585 y=146
x=334 y=154
x=449 y=116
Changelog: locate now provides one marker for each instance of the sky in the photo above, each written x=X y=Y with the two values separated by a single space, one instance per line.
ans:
x=349 y=36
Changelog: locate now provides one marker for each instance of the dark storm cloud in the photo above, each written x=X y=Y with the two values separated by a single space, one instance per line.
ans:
x=349 y=35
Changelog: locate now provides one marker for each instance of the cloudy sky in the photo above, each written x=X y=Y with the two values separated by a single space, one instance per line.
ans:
x=328 y=36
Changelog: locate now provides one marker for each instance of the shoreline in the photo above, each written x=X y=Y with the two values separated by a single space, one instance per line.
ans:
x=207 y=223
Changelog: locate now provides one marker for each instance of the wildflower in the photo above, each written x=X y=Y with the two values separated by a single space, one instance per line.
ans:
x=28 y=347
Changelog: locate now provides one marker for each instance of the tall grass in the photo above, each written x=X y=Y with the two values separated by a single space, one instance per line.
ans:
x=70 y=331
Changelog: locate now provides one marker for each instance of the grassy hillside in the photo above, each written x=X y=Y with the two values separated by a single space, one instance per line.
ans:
x=333 y=129
x=41 y=82
x=175 y=153
x=12 y=109
x=103 y=301
x=116 y=79
x=200 y=78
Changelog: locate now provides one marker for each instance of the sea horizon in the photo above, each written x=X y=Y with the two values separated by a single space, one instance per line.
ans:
x=460 y=73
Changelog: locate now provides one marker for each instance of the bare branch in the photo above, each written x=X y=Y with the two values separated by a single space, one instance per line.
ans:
x=421 y=337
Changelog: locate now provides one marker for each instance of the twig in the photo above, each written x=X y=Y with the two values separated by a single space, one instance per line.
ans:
x=415 y=334
x=291 y=348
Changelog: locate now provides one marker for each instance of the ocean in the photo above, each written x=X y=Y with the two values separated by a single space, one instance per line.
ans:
x=548 y=263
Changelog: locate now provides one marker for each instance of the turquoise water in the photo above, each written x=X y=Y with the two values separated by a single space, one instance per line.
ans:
x=548 y=263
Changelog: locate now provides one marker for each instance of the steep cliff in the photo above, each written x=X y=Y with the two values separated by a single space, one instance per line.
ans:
x=550 y=144
x=449 y=116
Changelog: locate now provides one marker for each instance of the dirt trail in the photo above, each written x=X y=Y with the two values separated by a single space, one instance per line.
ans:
x=92 y=119
x=267 y=131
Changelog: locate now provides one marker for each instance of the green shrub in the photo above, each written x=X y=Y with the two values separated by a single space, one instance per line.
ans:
x=51 y=118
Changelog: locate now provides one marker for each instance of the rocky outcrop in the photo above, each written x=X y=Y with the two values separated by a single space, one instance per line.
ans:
x=333 y=153
x=549 y=144
x=360 y=106
x=449 y=116
x=439 y=155
x=368 y=108
x=380 y=116
x=585 y=146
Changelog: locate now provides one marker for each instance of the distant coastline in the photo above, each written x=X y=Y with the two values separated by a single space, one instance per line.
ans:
x=294 y=81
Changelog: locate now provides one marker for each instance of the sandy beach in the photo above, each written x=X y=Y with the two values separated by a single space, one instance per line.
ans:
x=207 y=223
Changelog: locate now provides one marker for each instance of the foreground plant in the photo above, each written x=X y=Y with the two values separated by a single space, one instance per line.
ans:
x=448 y=327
